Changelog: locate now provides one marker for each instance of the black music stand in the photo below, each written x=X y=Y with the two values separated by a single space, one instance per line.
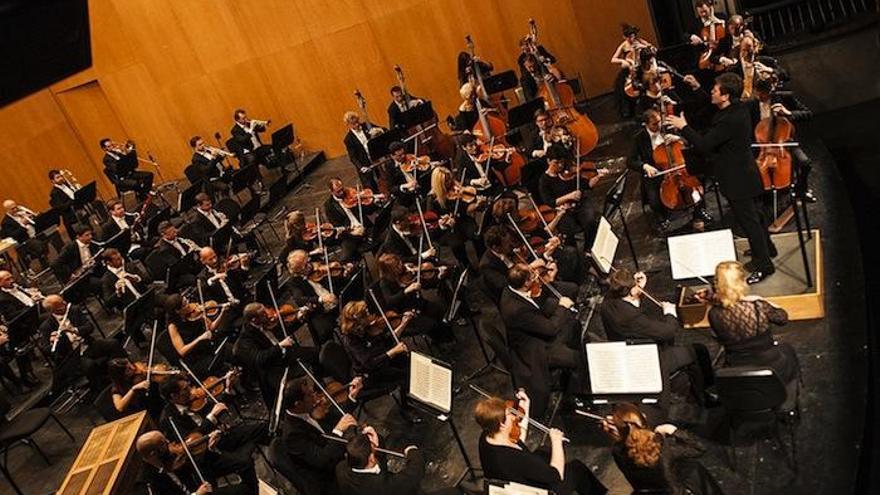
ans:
x=418 y=115
x=187 y=198
x=268 y=278
x=126 y=164
x=501 y=81
x=184 y=265
x=244 y=177
x=137 y=315
x=85 y=195
x=613 y=200
x=220 y=238
x=155 y=220
x=77 y=291
x=46 y=220
x=282 y=139
x=120 y=242
x=523 y=115
x=378 y=146
x=23 y=327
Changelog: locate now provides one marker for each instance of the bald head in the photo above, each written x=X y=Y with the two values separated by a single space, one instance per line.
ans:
x=55 y=304
x=152 y=445
x=6 y=279
x=9 y=204
x=207 y=255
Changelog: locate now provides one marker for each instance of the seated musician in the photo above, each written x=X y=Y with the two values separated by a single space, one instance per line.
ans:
x=648 y=140
x=25 y=379
x=309 y=288
x=402 y=238
x=475 y=166
x=225 y=279
x=356 y=139
x=77 y=258
x=295 y=236
x=626 y=315
x=167 y=473
x=537 y=321
x=309 y=456
x=194 y=336
x=15 y=298
x=361 y=473
x=504 y=456
x=18 y=223
x=263 y=348
x=401 y=292
x=123 y=282
x=456 y=217
x=67 y=332
x=232 y=445
x=250 y=149
x=128 y=389
x=173 y=247
x=558 y=187
x=61 y=197
x=767 y=103
x=408 y=184
x=125 y=180
x=561 y=135
x=208 y=221
x=540 y=137
x=664 y=459
x=400 y=103
x=209 y=164
x=354 y=219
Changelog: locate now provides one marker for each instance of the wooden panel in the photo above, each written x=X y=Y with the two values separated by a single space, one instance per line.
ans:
x=274 y=26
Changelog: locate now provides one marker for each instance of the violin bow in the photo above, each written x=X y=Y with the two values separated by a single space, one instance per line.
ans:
x=535 y=207
x=199 y=382
x=150 y=359
x=202 y=302
x=517 y=413
x=458 y=200
x=277 y=311
x=549 y=285
x=384 y=317
x=360 y=207
x=419 y=266
x=424 y=225
x=377 y=449
x=643 y=291
x=275 y=419
x=577 y=170
x=186 y=450
x=324 y=248
x=589 y=415
x=321 y=386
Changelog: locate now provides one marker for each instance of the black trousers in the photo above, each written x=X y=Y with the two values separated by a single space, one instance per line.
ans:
x=137 y=181
x=582 y=218
x=579 y=479
x=748 y=214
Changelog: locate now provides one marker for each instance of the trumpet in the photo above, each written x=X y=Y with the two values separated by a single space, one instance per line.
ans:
x=218 y=151
x=121 y=148
x=70 y=178
x=258 y=122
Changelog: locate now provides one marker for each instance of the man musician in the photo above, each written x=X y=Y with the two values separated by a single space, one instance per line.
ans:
x=172 y=248
x=78 y=258
x=356 y=139
x=362 y=473
x=476 y=169
x=118 y=173
x=353 y=219
x=121 y=285
x=61 y=197
x=248 y=146
x=400 y=103
x=18 y=223
x=209 y=165
x=15 y=298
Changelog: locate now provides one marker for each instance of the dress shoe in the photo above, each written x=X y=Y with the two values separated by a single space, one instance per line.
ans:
x=773 y=252
x=758 y=275
x=664 y=226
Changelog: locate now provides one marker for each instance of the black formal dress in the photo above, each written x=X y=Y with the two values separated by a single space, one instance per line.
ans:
x=405 y=482
x=582 y=217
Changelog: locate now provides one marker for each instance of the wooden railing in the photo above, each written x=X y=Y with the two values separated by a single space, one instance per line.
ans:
x=793 y=21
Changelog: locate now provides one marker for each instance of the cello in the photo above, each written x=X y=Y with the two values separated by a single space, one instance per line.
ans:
x=679 y=188
x=491 y=129
x=774 y=162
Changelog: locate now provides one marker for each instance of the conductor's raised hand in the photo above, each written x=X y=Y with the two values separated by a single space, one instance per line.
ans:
x=677 y=121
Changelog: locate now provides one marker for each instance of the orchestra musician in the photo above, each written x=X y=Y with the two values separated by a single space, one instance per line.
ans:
x=627 y=56
x=225 y=279
x=246 y=142
x=18 y=223
x=120 y=220
x=209 y=165
x=15 y=298
x=531 y=77
x=128 y=387
x=309 y=290
x=120 y=175
x=61 y=197
x=308 y=456
x=465 y=65
x=727 y=144
x=354 y=219
x=122 y=283
x=399 y=291
x=400 y=103
x=295 y=231
x=356 y=139
x=476 y=166
x=161 y=474
x=67 y=333
x=456 y=217
x=195 y=336
x=408 y=185
x=707 y=18
x=401 y=239
x=172 y=248
x=362 y=474
x=556 y=190
x=506 y=458
x=79 y=258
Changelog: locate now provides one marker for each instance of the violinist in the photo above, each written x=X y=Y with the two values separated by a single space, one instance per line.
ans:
x=123 y=175
x=299 y=234
x=354 y=218
x=400 y=103
x=309 y=456
x=193 y=334
x=456 y=217
x=402 y=292
x=310 y=284
x=504 y=456
x=128 y=385
x=376 y=354
x=123 y=282
x=225 y=279
x=67 y=332
x=229 y=446
x=475 y=166
x=768 y=103
x=641 y=159
x=541 y=135
x=402 y=237
x=356 y=139
x=167 y=473
x=558 y=188
x=407 y=181
x=727 y=145
x=363 y=473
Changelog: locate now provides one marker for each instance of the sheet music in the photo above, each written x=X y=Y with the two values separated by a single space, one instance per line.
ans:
x=618 y=368
x=515 y=489
x=696 y=255
x=430 y=382
x=605 y=245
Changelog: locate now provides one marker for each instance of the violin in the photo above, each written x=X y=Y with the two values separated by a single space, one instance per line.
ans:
x=430 y=272
x=328 y=231
x=432 y=221
x=196 y=443
x=216 y=385
x=516 y=429
x=421 y=163
x=288 y=312
x=366 y=197
x=376 y=325
x=774 y=162
x=337 y=390
x=195 y=311
x=320 y=270
x=468 y=194
x=158 y=373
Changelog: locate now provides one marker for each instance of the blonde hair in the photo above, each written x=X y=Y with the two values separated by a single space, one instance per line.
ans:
x=295 y=223
x=642 y=447
x=352 y=317
x=348 y=116
x=730 y=283
x=439 y=177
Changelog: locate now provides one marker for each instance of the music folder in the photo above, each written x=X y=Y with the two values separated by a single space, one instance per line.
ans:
x=430 y=382
x=697 y=255
x=604 y=246
x=624 y=369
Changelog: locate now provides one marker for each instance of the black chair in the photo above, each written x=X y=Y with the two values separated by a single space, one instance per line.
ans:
x=22 y=427
x=156 y=265
x=104 y=404
x=230 y=208
x=753 y=398
x=284 y=464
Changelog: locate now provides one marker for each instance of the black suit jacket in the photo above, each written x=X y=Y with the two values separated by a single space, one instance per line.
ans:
x=10 y=307
x=799 y=111
x=494 y=274
x=108 y=287
x=11 y=228
x=395 y=114
x=185 y=424
x=111 y=228
x=406 y=482
x=395 y=244
x=356 y=151
x=642 y=152
x=57 y=198
x=235 y=280
x=525 y=323
x=161 y=482
x=78 y=319
x=69 y=259
x=623 y=321
x=336 y=214
x=727 y=145
x=243 y=139
x=312 y=456
x=208 y=169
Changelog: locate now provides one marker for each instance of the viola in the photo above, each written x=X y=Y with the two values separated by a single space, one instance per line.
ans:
x=320 y=270
x=679 y=189
x=774 y=162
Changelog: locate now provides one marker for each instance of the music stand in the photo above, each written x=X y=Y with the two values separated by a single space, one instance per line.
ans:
x=184 y=265
x=522 y=115
x=138 y=314
x=85 y=196
x=187 y=198
x=244 y=177
x=269 y=278
x=501 y=81
x=282 y=138
x=77 y=291
x=623 y=372
x=418 y=115
x=120 y=242
x=613 y=200
x=126 y=164
x=220 y=238
x=378 y=146
x=46 y=220
x=155 y=220
x=23 y=326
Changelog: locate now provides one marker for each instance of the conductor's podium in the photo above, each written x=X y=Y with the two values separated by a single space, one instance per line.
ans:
x=786 y=288
x=106 y=463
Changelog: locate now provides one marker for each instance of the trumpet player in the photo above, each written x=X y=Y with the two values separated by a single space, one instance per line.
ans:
x=18 y=223
x=246 y=138
x=79 y=257
x=208 y=163
x=61 y=197
x=120 y=166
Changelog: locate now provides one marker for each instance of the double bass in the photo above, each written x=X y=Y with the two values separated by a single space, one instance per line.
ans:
x=431 y=138
x=711 y=35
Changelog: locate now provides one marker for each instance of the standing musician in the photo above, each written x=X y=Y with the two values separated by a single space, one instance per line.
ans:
x=362 y=474
x=558 y=188
x=164 y=473
x=67 y=332
x=456 y=216
x=125 y=180
x=15 y=298
x=465 y=65
x=727 y=145
x=61 y=197
x=504 y=455
x=123 y=282
x=209 y=164
x=194 y=336
x=401 y=239
x=528 y=47
x=400 y=103
x=648 y=139
x=530 y=77
x=18 y=223
x=400 y=291
x=354 y=219
x=356 y=139
x=376 y=355
x=225 y=279
x=309 y=456
x=246 y=139
x=310 y=286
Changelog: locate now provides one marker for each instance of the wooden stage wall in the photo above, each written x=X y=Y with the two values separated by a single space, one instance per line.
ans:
x=165 y=70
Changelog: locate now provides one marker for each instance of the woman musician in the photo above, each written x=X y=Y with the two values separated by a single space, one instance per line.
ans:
x=628 y=57
x=192 y=334
x=400 y=290
x=456 y=208
x=559 y=187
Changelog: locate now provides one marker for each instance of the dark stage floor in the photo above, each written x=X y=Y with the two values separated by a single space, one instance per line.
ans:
x=831 y=350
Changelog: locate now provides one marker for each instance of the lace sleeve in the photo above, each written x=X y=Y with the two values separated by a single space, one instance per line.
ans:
x=777 y=316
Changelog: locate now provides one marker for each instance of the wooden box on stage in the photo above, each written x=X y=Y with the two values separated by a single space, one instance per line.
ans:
x=690 y=312
x=106 y=463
